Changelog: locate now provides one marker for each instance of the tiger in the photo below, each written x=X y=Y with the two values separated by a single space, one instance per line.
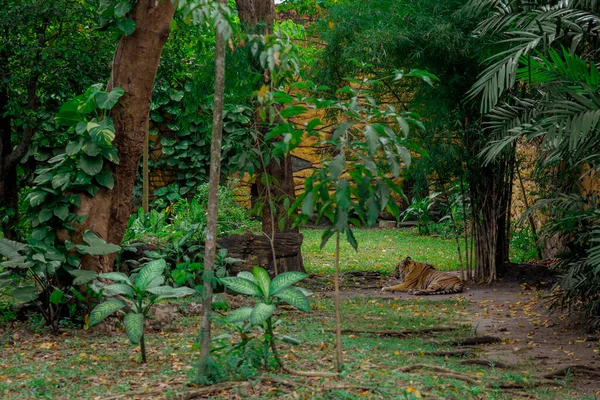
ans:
x=418 y=278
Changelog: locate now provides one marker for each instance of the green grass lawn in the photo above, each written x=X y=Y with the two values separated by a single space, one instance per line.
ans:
x=78 y=365
x=378 y=250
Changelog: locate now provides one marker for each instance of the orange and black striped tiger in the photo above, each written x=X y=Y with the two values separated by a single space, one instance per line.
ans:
x=423 y=279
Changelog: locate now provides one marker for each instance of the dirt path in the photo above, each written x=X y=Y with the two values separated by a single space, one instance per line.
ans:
x=518 y=314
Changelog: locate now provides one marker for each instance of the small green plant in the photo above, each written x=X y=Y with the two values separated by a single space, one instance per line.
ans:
x=44 y=275
x=136 y=295
x=420 y=209
x=270 y=293
x=522 y=245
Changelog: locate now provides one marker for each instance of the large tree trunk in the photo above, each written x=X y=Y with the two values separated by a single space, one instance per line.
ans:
x=134 y=69
x=257 y=16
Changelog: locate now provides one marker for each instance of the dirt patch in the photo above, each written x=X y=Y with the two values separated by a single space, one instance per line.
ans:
x=518 y=314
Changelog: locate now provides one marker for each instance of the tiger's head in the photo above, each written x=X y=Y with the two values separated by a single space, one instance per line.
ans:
x=408 y=267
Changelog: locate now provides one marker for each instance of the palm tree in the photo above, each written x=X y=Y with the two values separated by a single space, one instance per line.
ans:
x=542 y=83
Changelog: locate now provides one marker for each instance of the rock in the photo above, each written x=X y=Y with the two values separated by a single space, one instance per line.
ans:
x=387 y=224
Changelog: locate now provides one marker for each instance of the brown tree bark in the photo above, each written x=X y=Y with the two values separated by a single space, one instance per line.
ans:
x=257 y=16
x=134 y=69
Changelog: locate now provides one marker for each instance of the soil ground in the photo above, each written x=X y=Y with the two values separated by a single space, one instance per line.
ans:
x=531 y=334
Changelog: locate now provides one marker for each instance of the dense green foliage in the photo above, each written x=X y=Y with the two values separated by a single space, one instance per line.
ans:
x=541 y=84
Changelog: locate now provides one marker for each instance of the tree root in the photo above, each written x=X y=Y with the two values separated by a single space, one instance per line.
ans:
x=574 y=370
x=400 y=333
x=472 y=341
x=445 y=372
x=487 y=363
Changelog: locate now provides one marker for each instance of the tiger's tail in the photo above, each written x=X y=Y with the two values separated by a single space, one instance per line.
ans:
x=457 y=289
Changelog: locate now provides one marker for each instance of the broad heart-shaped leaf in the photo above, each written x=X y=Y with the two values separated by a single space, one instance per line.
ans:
x=119 y=288
x=247 y=275
x=105 y=309
x=285 y=280
x=10 y=249
x=241 y=285
x=56 y=296
x=294 y=297
x=240 y=315
x=261 y=313
x=105 y=178
x=263 y=280
x=127 y=26
x=151 y=270
x=116 y=276
x=24 y=293
x=91 y=165
x=170 y=292
x=103 y=132
x=96 y=246
x=83 y=276
x=134 y=327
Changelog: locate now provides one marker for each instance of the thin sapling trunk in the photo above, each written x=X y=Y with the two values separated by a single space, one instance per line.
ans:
x=213 y=200
x=338 y=317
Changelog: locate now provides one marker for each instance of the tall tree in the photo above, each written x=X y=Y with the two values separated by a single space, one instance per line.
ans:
x=375 y=38
x=47 y=54
x=134 y=69
x=257 y=16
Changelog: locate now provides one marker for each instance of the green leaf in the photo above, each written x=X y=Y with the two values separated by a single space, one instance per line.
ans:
x=288 y=339
x=337 y=166
x=372 y=138
x=36 y=197
x=91 y=148
x=127 y=26
x=263 y=280
x=60 y=179
x=307 y=206
x=285 y=280
x=112 y=155
x=294 y=297
x=11 y=249
x=56 y=296
x=122 y=9
x=73 y=148
x=105 y=178
x=342 y=194
x=326 y=236
x=83 y=276
x=103 y=132
x=62 y=212
x=170 y=292
x=372 y=211
x=247 y=275
x=103 y=310
x=91 y=165
x=116 y=276
x=24 y=293
x=44 y=215
x=341 y=129
x=261 y=313
x=240 y=315
x=105 y=100
x=134 y=326
x=96 y=246
x=241 y=285
x=351 y=239
x=150 y=271
x=292 y=111
x=119 y=288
